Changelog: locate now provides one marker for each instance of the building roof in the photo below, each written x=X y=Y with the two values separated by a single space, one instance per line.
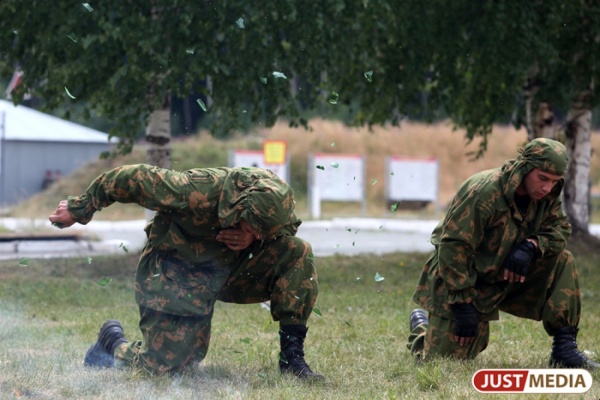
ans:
x=26 y=124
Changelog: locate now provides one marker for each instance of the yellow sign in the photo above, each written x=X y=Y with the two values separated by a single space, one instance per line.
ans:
x=274 y=151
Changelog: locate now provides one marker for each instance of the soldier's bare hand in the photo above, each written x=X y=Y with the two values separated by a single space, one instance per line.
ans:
x=61 y=217
x=235 y=238
x=512 y=277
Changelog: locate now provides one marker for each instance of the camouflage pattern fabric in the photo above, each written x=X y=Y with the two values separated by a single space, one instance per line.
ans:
x=436 y=339
x=550 y=293
x=480 y=228
x=184 y=270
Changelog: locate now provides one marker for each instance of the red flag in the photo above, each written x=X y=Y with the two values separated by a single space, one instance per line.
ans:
x=14 y=82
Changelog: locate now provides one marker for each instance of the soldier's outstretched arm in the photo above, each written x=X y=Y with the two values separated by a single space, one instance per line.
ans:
x=149 y=186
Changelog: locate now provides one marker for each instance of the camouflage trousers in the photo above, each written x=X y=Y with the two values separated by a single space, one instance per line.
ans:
x=549 y=294
x=176 y=299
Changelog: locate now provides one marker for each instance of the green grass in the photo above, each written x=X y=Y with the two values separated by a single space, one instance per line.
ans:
x=51 y=310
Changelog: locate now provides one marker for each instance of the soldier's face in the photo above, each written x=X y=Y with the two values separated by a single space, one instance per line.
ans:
x=245 y=227
x=537 y=184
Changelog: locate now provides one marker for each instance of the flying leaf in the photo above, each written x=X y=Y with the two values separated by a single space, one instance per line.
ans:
x=394 y=207
x=87 y=6
x=333 y=99
x=23 y=262
x=240 y=23
x=201 y=104
x=335 y=165
x=263 y=80
x=317 y=311
x=320 y=167
x=69 y=93
x=277 y=74
x=378 y=278
x=369 y=76
x=104 y=281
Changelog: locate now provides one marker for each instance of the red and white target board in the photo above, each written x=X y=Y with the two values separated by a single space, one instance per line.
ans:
x=273 y=157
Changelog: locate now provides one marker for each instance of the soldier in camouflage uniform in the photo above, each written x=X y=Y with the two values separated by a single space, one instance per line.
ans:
x=501 y=247
x=218 y=234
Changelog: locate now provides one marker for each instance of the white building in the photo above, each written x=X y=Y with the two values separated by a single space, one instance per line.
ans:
x=33 y=143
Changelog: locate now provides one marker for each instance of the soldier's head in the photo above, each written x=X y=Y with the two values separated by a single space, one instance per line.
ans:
x=543 y=166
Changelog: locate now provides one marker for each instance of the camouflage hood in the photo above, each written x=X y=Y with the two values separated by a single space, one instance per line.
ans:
x=257 y=196
x=545 y=154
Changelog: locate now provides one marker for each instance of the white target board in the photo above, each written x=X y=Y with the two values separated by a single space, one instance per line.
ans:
x=336 y=177
x=255 y=158
x=412 y=179
x=339 y=177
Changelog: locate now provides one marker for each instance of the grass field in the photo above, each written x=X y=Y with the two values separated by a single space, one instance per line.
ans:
x=51 y=310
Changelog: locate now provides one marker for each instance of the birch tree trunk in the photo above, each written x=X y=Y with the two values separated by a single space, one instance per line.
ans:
x=577 y=179
x=158 y=140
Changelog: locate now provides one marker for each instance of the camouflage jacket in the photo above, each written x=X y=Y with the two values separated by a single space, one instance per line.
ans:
x=481 y=226
x=193 y=206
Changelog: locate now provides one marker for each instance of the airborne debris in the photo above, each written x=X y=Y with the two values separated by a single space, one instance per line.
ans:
x=333 y=99
x=201 y=104
x=69 y=93
x=104 y=281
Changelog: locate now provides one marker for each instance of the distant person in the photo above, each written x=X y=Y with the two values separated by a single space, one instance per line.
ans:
x=218 y=234
x=501 y=247
x=48 y=179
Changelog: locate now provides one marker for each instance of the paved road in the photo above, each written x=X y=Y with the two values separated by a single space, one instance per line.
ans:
x=346 y=236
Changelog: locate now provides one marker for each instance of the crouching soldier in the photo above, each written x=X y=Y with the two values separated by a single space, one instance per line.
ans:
x=223 y=234
x=501 y=247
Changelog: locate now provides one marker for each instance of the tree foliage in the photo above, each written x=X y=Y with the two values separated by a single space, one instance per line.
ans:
x=384 y=59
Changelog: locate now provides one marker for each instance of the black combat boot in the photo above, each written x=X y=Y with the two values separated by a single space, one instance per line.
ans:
x=417 y=317
x=564 y=350
x=101 y=354
x=291 y=358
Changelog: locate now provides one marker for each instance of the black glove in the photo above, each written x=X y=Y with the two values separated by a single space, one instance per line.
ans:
x=520 y=258
x=467 y=319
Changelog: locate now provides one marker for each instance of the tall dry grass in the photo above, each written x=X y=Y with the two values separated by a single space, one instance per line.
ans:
x=411 y=139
